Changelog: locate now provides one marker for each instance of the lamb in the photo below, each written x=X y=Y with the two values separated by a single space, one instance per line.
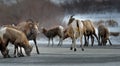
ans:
x=103 y=34
x=89 y=30
x=74 y=30
x=51 y=33
x=16 y=37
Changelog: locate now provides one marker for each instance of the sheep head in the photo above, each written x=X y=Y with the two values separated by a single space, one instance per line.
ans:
x=28 y=50
x=71 y=20
x=43 y=30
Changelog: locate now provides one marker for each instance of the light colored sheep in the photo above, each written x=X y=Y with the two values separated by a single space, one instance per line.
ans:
x=74 y=31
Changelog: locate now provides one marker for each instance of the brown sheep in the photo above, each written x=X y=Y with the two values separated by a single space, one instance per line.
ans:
x=89 y=30
x=103 y=34
x=30 y=29
x=17 y=38
x=74 y=30
x=51 y=33
x=114 y=33
x=111 y=23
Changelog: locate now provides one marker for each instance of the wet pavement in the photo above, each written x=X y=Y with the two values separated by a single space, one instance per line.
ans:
x=62 y=56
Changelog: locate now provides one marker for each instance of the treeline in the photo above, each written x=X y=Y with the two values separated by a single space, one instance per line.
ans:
x=39 y=10
x=91 y=6
x=50 y=14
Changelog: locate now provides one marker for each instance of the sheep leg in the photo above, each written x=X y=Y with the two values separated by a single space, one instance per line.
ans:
x=36 y=46
x=85 y=44
x=102 y=41
x=92 y=40
x=60 y=42
x=18 y=53
x=52 y=42
x=87 y=40
x=15 y=49
x=109 y=41
x=81 y=43
x=48 y=42
x=74 y=44
x=5 y=52
x=98 y=39
x=21 y=54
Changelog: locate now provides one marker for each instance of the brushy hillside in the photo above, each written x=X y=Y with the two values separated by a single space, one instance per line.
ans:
x=43 y=11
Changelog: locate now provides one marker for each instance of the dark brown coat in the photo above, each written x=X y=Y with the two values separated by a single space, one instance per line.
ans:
x=103 y=34
x=51 y=33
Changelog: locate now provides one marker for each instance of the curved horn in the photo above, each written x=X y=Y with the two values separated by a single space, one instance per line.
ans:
x=71 y=16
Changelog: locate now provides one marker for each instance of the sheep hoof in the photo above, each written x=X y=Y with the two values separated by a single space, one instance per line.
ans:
x=99 y=44
x=7 y=56
x=75 y=49
x=71 y=48
x=18 y=54
x=38 y=52
x=82 y=49
x=15 y=56
x=92 y=45
x=21 y=55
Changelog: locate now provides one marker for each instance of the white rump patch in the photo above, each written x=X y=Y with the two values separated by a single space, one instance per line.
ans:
x=74 y=24
x=61 y=27
x=2 y=31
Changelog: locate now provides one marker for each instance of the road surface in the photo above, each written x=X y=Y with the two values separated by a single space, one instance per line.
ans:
x=62 y=56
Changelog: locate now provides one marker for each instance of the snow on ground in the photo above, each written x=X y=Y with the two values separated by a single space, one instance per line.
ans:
x=94 y=17
x=100 y=16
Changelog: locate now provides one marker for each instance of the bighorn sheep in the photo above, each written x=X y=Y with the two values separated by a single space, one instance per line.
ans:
x=30 y=28
x=51 y=33
x=74 y=30
x=16 y=37
x=103 y=34
x=89 y=30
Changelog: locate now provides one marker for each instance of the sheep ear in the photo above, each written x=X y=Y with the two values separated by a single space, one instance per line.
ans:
x=71 y=16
